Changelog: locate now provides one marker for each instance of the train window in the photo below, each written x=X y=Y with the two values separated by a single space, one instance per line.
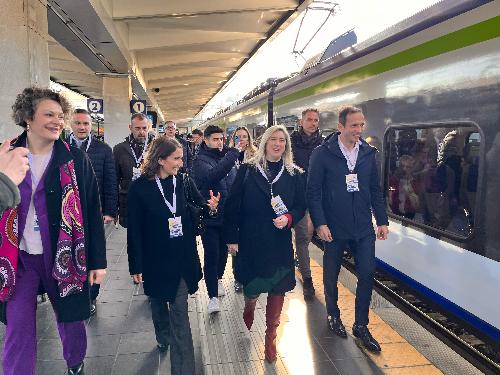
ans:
x=431 y=176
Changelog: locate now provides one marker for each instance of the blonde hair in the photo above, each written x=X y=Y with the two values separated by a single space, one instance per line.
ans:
x=260 y=156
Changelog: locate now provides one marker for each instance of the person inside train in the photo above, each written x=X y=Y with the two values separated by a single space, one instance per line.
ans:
x=162 y=250
x=212 y=171
x=266 y=199
x=304 y=141
x=405 y=189
x=13 y=167
x=101 y=158
x=343 y=190
x=53 y=241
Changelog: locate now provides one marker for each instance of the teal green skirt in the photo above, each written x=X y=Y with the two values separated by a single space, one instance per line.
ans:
x=267 y=284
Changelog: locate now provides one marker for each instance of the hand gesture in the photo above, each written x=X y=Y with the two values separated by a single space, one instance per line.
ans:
x=324 y=233
x=213 y=202
x=14 y=164
x=382 y=232
x=232 y=248
x=281 y=221
x=137 y=278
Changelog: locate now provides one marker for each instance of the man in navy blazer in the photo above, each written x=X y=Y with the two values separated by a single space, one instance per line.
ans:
x=343 y=190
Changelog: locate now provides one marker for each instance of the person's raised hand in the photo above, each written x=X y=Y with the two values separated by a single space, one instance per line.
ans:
x=14 y=163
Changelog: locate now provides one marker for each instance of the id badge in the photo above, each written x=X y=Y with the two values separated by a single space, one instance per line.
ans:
x=175 y=227
x=351 y=181
x=36 y=226
x=278 y=205
x=136 y=173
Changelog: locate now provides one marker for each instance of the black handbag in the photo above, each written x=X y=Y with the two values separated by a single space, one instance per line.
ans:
x=195 y=211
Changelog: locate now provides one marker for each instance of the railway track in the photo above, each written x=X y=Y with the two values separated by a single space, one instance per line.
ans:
x=456 y=334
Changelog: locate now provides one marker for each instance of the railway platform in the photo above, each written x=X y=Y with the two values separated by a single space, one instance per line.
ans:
x=121 y=335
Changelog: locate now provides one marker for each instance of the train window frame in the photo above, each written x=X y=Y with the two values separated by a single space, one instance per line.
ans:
x=434 y=231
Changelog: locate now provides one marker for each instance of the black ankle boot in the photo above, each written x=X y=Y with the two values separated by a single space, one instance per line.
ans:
x=364 y=334
x=77 y=370
x=335 y=325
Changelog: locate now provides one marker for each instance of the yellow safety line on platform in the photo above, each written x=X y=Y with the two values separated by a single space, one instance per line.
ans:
x=398 y=357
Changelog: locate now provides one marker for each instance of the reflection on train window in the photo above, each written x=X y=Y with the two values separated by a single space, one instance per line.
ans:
x=432 y=175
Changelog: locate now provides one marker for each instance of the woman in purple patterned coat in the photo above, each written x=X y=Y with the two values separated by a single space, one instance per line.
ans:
x=46 y=246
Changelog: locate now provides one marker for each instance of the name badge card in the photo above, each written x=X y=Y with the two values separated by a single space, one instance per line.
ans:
x=136 y=173
x=36 y=225
x=175 y=226
x=351 y=181
x=278 y=205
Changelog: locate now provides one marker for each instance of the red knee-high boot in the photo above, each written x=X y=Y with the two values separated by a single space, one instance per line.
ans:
x=273 y=312
x=249 y=311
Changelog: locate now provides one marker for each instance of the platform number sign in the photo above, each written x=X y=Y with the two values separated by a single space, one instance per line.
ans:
x=138 y=106
x=95 y=106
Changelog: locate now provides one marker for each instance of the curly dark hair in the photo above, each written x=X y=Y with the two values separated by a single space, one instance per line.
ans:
x=24 y=107
x=161 y=148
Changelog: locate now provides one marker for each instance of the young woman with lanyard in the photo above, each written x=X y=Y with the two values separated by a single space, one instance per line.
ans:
x=267 y=197
x=162 y=251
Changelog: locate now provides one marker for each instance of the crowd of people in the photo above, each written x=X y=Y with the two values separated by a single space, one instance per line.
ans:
x=242 y=198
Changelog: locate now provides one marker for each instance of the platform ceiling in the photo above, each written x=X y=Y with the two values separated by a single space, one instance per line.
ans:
x=179 y=53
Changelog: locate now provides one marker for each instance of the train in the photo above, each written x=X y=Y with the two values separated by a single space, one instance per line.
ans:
x=429 y=88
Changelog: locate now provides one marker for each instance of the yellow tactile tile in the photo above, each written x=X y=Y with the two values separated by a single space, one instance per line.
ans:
x=417 y=370
x=397 y=356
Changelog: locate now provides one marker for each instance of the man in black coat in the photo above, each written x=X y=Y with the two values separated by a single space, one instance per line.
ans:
x=101 y=158
x=170 y=129
x=129 y=156
x=343 y=191
x=304 y=141
x=212 y=170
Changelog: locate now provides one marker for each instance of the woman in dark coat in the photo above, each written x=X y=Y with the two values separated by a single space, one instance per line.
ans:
x=267 y=197
x=162 y=249
x=53 y=241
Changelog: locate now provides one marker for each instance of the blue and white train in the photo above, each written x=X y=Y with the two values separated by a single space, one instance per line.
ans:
x=430 y=91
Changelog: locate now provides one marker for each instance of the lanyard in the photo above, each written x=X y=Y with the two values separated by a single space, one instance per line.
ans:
x=88 y=143
x=172 y=207
x=138 y=161
x=275 y=178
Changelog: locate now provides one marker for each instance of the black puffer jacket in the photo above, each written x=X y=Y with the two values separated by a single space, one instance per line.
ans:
x=213 y=170
x=101 y=157
x=303 y=146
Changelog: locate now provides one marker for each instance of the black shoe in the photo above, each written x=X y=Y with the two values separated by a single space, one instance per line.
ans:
x=362 y=332
x=162 y=347
x=335 y=324
x=78 y=370
x=308 y=287
x=93 y=307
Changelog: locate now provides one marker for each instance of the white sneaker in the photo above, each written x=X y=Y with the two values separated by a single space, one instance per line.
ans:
x=220 y=289
x=213 y=305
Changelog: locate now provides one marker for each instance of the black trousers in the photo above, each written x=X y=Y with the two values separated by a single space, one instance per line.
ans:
x=215 y=251
x=363 y=251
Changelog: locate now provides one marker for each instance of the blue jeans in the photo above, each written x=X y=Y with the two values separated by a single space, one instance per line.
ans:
x=363 y=251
